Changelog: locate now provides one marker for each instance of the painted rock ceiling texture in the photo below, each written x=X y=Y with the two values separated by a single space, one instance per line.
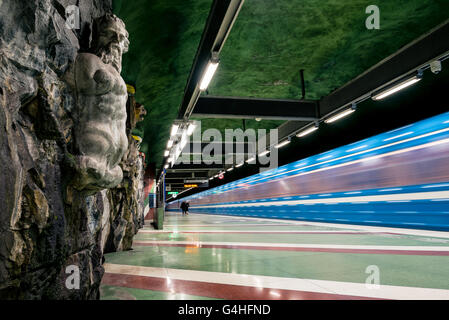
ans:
x=269 y=43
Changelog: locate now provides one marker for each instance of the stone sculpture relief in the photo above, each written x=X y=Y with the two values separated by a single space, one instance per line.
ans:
x=100 y=127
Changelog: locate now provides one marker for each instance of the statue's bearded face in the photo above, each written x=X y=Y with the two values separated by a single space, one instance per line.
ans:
x=112 y=43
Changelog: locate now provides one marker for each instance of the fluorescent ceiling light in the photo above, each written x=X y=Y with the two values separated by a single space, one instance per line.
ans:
x=183 y=142
x=211 y=178
x=306 y=132
x=396 y=88
x=174 y=130
x=339 y=115
x=167 y=152
x=190 y=129
x=166 y=166
x=264 y=153
x=251 y=159
x=230 y=169
x=281 y=144
x=207 y=77
x=239 y=165
x=169 y=144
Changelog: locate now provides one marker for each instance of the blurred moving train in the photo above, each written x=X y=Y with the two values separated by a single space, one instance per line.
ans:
x=398 y=179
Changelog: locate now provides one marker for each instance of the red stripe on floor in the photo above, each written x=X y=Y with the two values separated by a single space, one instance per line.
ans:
x=336 y=250
x=215 y=290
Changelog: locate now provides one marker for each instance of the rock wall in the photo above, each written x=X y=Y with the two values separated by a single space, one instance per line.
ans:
x=47 y=228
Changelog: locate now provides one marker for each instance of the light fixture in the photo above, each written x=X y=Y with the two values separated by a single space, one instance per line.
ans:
x=211 y=178
x=307 y=131
x=174 y=130
x=264 y=153
x=397 y=86
x=283 y=143
x=239 y=165
x=340 y=115
x=212 y=66
x=230 y=169
x=166 y=166
x=251 y=159
x=183 y=141
x=169 y=144
x=190 y=129
x=166 y=153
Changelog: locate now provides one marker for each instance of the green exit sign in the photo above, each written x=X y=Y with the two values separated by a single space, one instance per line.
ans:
x=172 y=192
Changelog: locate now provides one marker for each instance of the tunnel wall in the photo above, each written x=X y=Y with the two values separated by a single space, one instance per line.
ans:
x=46 y=225
x=395 y=179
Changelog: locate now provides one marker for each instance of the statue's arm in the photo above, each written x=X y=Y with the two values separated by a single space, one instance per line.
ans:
x=91 y=79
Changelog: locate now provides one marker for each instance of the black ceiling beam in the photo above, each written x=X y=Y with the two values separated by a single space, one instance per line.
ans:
x=170 y=180
x=286 y=129
x=186 y=175
x=195 y=167
x=192 y=147
x=251 y=108
x=221 y=17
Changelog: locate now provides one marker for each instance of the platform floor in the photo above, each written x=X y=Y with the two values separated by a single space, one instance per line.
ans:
x=223 y=257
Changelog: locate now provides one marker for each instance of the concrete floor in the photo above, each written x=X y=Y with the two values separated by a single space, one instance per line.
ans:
x=223 y=257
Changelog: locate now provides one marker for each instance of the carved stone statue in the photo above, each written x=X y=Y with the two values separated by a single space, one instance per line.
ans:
x=100 y=126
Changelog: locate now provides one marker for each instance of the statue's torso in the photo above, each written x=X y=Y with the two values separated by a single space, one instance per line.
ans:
x=101 y=100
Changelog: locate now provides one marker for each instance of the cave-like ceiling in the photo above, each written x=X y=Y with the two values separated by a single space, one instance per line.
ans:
x=268 y=45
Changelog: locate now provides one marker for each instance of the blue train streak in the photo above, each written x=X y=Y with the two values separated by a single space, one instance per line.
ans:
x=396 y=179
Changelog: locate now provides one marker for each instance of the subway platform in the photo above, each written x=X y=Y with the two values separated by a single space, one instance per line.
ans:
x=201 y=256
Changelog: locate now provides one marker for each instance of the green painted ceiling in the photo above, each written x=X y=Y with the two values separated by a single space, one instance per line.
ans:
x=269 y=43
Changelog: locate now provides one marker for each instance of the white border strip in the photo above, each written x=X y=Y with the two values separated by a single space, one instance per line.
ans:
x=302 y=245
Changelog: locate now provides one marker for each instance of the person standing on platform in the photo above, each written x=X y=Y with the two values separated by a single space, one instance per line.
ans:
x=183 y=208
x=187 y=207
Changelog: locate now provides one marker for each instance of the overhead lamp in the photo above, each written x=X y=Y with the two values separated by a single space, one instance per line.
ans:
x=190 y=129
x=283 y=143
x=166 y=166
x=340 y=115
x=251 y=159
x=169 y=144
x=183 y=140
x=211 y=67
x=174 y=130
x=397 y=87
x=239 y=165
x=307 y=131
x=211 y=178
x=264 y=153
x=230 y=169
x=166 y=153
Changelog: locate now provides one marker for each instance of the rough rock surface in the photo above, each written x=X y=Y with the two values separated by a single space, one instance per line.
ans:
x=45 y=224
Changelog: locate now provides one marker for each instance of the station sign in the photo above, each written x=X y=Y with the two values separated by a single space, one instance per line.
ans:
x=191 y=185
x=172 y=192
